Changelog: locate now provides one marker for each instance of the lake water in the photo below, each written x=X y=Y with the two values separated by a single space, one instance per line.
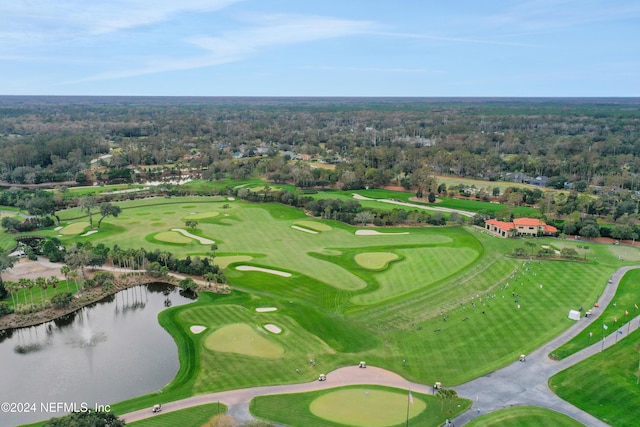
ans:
x=103 y=354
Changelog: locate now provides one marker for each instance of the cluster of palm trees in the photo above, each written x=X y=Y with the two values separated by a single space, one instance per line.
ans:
x=25 y=283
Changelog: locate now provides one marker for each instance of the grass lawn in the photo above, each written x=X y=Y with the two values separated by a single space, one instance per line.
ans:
x=453 y=303
x=352 y=406
x=172 y=237
x=614 y=316
x=524 y=416
x=192 y=417
x=366 y=408
x=605 y=385
x=375 y=260
x=314 y=225
x=74 y=228
x=241 y=338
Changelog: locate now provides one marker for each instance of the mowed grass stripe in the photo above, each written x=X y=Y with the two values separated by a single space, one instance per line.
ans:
x=607 y=386
x=524 y=416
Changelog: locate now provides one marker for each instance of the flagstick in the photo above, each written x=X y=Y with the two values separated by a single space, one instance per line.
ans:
x=408 y=401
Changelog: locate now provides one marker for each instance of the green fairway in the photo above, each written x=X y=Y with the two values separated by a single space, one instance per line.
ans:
x=171 y=237
x=605 y=385
x=74 y=228
x=620 y=311
x=314 y=225
x=242 y=339
x=373 y=406
x=524 y=416
x=375 y=260
x=202 y=215
x=224 y=261
x=452 y=301
x=366 y=408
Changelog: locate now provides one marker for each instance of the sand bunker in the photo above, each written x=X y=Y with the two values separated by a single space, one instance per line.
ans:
x=375 y=233
x=185 y=233
x=231 y=198
x=58 y=228
x=272 y=328
x=265 y=309
x=264 y=270
x=196 y=329
x=88 y=233
x=295 y=227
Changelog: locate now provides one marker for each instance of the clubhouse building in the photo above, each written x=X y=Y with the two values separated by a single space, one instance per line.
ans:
x=519 y=227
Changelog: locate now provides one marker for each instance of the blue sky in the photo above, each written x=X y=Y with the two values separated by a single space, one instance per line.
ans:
x=320 y=47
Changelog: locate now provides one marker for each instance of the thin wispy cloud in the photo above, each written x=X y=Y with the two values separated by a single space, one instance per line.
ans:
x=36 y=21
x=466 y=40
x=540 y=15
x=232 y=46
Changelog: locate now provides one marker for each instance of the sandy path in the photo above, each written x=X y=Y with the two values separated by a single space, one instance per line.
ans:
x=413 y=205
x=350 y=375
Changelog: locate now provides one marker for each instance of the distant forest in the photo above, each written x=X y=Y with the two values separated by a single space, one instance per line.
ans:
x=586 y=146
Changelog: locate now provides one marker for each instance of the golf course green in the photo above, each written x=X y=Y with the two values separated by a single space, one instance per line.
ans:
x=453 y=302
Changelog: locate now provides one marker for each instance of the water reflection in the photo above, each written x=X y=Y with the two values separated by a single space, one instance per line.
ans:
x=104 y=353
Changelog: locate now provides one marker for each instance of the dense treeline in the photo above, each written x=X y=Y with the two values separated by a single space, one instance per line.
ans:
x=587 y=146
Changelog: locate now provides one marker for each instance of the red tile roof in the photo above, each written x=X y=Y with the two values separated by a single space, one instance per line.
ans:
x=530 y=222
x=506 y=226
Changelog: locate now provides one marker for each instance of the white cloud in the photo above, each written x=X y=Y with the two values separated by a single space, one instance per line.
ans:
x=277 y=30
x=41 y=20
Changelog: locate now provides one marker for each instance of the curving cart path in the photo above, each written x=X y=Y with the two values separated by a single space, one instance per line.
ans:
x=521 y=383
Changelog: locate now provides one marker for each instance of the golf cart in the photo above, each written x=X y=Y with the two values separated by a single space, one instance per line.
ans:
x=157 y=408
x=322 y=377
x=362 y=365
x=523 y=357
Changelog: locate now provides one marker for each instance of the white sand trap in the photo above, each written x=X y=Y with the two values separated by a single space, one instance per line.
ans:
x=202 y=240
x=306 y=230
x=196 y=329
x=272 y=328
x=359 y=197
x=89 y=233
x=375 y=233
x=58 y=228
x=231 y=198
x=265 y=309
x=264 y=270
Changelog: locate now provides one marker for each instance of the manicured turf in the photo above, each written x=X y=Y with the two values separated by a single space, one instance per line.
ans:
x=524 y=416
x=314 y=225
x=366 y=408
x=605 y=385
x=375 y=260
x=196 y=416
x=614 y=316
x=171 y=237
x=356 y=409
x=75 y=228
x=242 y=339
x=443 y=305
x=224 y=261
x=202 y=215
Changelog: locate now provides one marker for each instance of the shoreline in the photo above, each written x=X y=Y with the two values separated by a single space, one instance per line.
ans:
x=87 y=297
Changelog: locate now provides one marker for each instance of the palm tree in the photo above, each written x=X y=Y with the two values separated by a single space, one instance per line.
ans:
x=209 y=277
x=41 y=282
x=53 y=281
x=12 y=288
x=65 y=270
x=23 y=283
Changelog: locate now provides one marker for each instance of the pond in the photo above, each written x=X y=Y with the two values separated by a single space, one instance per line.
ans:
x=105 y=353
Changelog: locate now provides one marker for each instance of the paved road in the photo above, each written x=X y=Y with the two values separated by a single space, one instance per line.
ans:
x=521 y=383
